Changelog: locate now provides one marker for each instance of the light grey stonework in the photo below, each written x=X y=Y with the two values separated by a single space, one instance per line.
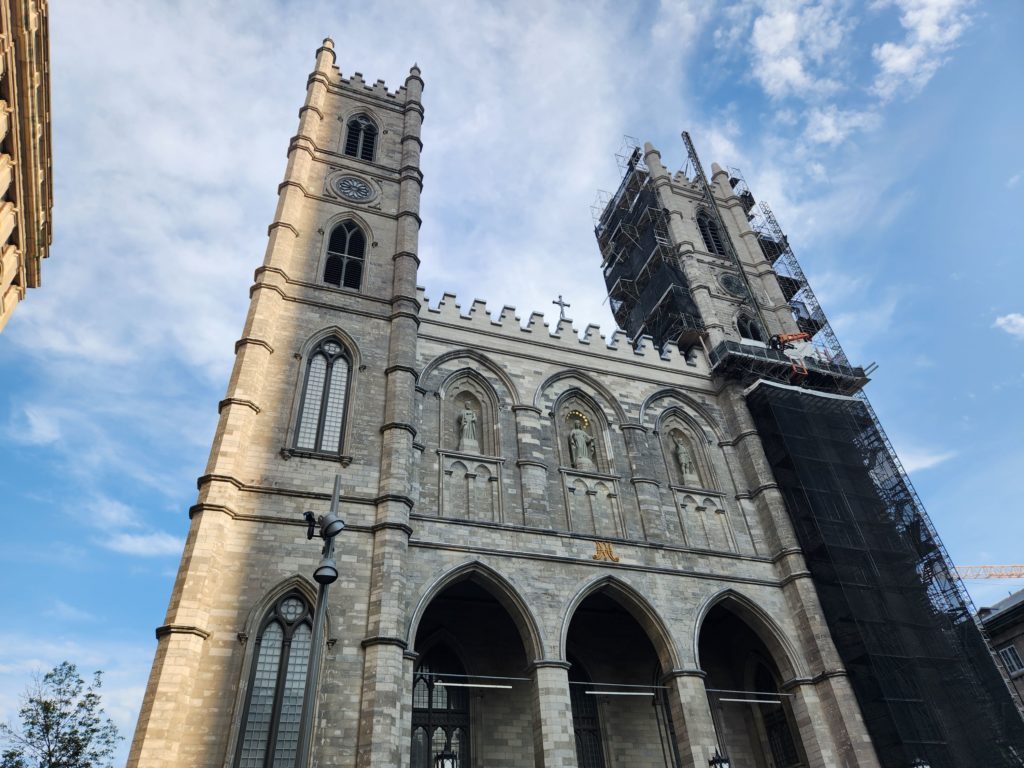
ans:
x=429 y=523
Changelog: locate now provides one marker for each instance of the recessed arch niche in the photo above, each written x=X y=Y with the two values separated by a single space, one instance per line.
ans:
x=575 y=411
x=467 y=391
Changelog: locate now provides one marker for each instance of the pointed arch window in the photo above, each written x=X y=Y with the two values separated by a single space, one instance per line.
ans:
x=361 y=138
x=749 y=328
x=323 y=408
x=440 y=714
x=709 y=232
x=277 y=682
x=346 y=251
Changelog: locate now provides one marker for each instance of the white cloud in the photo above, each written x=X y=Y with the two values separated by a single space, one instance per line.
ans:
x=38 y=426
x=109 y=514
x=1013 y=181
x=933 y=28
x=157 y=544
x=795 y=45
x=831 y=125
x=1012 y=323
x=915 y=460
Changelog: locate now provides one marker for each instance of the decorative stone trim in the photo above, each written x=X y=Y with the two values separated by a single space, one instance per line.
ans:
x=527 y=409
x=796 y=576
x=528 y=463
x=237 y=401
x=282 y=225
x=395 y=497
x=195 y=509
x=673 y=674
x=398 y=425
x=828 y=674
x=180 y=629
x=287 y=453
x=250 y=340
x=548 y=664
x=384 y=640
x=403 y=527
x=405 y=368
x=630 y=425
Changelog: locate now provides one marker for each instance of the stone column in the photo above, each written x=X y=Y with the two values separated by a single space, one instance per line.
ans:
x=691 y=716
x=533 y=469
x=554 y=740
x=383 y=708
x=812 y=724
x=645 y=485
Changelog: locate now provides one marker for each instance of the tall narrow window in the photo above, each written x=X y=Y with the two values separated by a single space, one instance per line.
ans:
x=346 y=250
x=585 y=723
x=440 y=714
x=322 y=411
x=709 y=232
x=270 y=725
x=361 y=139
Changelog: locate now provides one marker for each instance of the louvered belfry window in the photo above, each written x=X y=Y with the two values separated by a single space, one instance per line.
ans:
x=324 y=394
x=346 y=250
x=273 y=709
x=361 y=139
x=710 y=234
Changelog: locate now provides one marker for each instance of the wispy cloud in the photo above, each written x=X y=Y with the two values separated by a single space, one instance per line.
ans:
x=1013 y=181
x=932 y=29
x=831 y=125
x=144 y=544
x=916 y=460
x=1012 y=323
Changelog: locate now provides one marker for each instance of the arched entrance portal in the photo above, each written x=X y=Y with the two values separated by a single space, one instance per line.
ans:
x=753 y=719
x=619 y=707
x=471 y=694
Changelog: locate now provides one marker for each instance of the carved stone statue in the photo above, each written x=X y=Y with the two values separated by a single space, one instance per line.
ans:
x=467 y=430
x=687 y=466
x=582 y=451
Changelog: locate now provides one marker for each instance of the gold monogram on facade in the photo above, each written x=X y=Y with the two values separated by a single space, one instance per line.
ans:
x=603 y=551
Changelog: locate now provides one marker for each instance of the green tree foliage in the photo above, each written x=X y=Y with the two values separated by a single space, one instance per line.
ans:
x=63 y=724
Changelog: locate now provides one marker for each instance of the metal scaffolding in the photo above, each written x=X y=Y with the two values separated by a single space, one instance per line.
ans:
x=647 y=289
x=924 y=676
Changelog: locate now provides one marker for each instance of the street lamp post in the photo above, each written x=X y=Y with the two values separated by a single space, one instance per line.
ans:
x=326 y=573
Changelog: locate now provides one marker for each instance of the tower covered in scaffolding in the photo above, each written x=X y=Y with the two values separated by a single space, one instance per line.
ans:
x=698 y=262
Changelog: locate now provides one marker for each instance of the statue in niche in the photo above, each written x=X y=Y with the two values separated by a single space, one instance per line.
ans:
x=467 y=430
x=684 y=459
x=582 y=452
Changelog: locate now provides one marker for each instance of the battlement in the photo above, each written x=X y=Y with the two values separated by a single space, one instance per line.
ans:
x=508 y=323
x=378 y=88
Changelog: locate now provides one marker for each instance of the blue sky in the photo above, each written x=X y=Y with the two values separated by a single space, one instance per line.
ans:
x=886 y=137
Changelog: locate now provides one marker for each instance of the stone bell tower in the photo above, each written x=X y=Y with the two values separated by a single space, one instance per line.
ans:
x=332 y=316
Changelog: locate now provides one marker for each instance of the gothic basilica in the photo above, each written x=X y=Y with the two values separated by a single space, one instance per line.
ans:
x=687 y=544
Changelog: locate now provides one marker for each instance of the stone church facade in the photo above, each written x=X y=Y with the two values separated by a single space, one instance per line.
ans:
x=560 y=550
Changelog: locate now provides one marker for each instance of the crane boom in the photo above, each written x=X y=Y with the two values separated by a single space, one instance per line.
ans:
x=973 y=572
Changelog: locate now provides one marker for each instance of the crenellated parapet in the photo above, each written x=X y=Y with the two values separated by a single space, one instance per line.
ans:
x=536 y=330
